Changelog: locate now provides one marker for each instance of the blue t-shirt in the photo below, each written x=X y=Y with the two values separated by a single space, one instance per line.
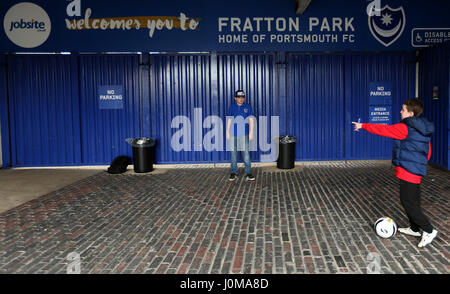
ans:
x=240 y=113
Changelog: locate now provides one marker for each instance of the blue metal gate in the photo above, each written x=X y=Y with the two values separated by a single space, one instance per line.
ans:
x=256 y=75
x=361 y=69
x=54 y=116
x=103 y=131
x=203 y=85
x=435 y=81
x=178 y=85
x=316 y=109
x=43 y=111
x=327 y=91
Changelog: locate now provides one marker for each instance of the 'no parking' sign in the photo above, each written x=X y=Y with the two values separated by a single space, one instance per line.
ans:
x=380 y=102
x=110 y=97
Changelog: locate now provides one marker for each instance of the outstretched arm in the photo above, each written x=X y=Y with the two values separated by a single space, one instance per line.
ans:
x=398 y=131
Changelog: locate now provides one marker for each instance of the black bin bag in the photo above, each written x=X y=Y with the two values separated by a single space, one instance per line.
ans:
x=119 y=165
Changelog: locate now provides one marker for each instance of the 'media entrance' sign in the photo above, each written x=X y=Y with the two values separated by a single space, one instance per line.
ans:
x=233 y=25
x=380 y=102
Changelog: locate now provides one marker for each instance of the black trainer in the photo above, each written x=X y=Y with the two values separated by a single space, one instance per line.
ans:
x=232 y=177
x=250 y=177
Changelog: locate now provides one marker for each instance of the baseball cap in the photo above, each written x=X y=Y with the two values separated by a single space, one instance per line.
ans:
x=239 y=93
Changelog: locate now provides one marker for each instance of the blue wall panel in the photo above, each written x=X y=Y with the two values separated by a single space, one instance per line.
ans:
x=361 y=69
x=54 y=114
x=181 y=83
x=103 y=131
x=256 y=75
x=315 y=111
x=326 y=92
x=4 y=114
x=435 y=71
x=42 y=111
x=178 y=85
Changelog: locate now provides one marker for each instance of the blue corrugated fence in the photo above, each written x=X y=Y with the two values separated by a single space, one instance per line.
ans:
x=55 y=118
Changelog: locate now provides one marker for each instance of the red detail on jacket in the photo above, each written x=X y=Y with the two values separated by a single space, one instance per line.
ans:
x=400 y=132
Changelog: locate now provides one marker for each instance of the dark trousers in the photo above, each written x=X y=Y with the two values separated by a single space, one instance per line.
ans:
x=410 y=199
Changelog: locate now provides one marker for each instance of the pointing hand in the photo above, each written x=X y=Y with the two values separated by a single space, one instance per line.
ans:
x=357 y=125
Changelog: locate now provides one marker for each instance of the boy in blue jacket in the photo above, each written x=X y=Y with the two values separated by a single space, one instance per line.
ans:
x=412 y=150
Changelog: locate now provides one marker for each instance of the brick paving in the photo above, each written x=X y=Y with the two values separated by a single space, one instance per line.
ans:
x=317 y=219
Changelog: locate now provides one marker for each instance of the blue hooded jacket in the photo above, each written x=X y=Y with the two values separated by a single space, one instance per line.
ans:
x=411 y=153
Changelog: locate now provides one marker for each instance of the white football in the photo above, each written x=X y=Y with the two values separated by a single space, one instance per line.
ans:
x=385 y=227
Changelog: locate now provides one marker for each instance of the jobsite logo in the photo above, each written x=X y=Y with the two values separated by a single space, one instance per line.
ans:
x=27 y=25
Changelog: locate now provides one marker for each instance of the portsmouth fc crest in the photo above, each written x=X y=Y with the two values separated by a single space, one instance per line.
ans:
x=387 y=24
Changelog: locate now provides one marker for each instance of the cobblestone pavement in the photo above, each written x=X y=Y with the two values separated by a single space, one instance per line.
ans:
x=317 y=219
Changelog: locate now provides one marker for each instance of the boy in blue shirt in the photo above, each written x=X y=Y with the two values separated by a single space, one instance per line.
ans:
x=238 y=115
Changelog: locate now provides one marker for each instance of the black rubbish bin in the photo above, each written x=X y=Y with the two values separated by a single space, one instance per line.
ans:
x=286 y=154
x=143 y=154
